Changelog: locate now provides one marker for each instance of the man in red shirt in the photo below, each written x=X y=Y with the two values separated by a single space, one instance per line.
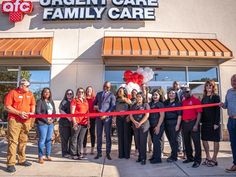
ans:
x=190 y=126
x=19 y=103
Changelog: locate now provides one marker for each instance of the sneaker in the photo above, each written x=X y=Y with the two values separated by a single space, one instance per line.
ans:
x=25 y=164
x=11 y=169
x=231 y=169
x=83 y=157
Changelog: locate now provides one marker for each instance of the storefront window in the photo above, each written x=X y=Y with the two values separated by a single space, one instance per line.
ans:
x=8 y=73
x=201 y=74
x=39 y=77
x=169 y=74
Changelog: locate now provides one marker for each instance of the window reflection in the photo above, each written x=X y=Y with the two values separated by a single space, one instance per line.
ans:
x=202 y=74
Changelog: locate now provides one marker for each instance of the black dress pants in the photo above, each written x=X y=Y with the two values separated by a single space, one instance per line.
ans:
x=124 y=137
x=172 y=137
x=157 y=142
x=92 y=133
x=65 y=135
x=141 y=138
x=189 y=135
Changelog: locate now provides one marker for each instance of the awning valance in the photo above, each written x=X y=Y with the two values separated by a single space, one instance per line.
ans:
x=26 y=48
x=164 y=47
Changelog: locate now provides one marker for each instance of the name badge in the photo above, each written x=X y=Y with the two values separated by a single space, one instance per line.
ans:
x=20 y=96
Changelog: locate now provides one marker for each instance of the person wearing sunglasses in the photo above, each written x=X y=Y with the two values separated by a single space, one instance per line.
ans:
x=210 y=122
x=65 y=123
x=19 y=103
x=191 y=130
x=79 y=105
x=104 y=102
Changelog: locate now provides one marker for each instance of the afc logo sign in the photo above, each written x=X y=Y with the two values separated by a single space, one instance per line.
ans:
x=16 y=9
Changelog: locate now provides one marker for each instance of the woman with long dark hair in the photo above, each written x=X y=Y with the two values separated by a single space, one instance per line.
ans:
x=141 y=126
x=65 y=123
x=90 y=96
x=156 y=125
x=172 y=123
x=123 y=124
x=45 y=126
x=210 y=128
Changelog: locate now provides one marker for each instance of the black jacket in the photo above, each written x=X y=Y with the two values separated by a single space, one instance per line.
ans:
x=41 y=108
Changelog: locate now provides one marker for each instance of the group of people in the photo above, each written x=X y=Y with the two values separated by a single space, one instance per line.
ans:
x=190 y=125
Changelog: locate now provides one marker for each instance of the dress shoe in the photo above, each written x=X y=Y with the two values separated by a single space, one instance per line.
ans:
x=170 y=159
x=25 y=164
x=98 y=156
x=11 y=169
x=188 y=160
x=108 y=156
x=143 y=162
x=151 y=158
x=154 y=161
x=196 y=164
x=231 y=169
x=139 y=160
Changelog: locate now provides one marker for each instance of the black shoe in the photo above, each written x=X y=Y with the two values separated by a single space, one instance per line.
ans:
x=75 y=157
x=188 y=160
x=25 y=164
x=195 y=165
x=108 y=156
x=143 y=162
x=139 y=160
x=98 y=156
x=170 y=159
x=155 y=161
x=151 y=158
x=66 y=156
x=11 y=169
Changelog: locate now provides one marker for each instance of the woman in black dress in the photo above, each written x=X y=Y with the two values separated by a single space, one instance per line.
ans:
x=210 y=130
x=123 y=124
x=141 y=127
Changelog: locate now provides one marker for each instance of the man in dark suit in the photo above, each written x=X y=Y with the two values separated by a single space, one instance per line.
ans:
x=104 y=102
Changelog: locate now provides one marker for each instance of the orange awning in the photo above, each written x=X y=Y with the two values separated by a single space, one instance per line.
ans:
x=164 y=47
x=26 y=48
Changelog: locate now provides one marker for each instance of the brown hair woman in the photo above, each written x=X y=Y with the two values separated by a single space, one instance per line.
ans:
x=210 y=130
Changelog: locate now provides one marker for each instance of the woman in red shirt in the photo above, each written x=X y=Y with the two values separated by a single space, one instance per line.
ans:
x=80 y=124
x=90 y=96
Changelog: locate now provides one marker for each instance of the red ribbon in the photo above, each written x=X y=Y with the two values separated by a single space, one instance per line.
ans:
x=100 y=114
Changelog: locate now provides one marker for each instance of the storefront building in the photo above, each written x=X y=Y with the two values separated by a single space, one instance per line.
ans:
x=76 y=43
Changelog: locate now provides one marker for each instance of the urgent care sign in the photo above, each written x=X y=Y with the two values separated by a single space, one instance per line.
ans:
x=96 y=9
x=17 y=9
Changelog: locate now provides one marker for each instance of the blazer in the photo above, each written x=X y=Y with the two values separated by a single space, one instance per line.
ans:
x=106 y=104
x=41 y=108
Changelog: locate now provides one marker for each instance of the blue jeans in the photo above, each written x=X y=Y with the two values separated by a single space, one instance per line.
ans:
x=45 y=139
x=232 y=137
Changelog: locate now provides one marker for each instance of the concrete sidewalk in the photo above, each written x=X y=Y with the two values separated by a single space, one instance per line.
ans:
x=114 y=168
